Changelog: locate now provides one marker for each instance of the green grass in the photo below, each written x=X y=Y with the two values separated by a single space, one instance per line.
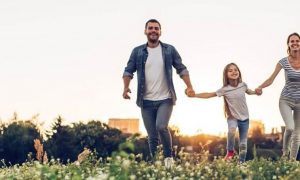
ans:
x=129 y=166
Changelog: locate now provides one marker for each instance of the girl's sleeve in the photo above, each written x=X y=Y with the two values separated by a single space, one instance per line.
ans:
x=246 y=87
x=220 y=92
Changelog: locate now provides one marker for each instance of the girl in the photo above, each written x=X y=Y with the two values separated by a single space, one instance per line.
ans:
x=236 y=110
x=289 y=104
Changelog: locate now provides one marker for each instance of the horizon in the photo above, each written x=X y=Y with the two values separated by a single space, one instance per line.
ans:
x=41 y=124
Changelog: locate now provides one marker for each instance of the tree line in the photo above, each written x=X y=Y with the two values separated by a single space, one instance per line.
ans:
x=66 y=142
x=63 y=142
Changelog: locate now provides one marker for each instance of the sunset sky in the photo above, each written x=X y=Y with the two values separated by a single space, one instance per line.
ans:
x=66 y=57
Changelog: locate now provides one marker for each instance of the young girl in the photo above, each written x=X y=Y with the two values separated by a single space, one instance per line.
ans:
x=236 y=110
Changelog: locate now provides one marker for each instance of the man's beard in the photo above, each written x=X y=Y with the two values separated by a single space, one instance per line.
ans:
x=153 y=40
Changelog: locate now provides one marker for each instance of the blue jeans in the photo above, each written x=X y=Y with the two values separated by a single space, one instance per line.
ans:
x=243 y=126
x=290 y=112
x=156 y=116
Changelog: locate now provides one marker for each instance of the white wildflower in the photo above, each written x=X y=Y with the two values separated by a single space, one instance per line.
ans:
x=126 y=163
x=158 y=163
x=118 y=158
x=132 y=177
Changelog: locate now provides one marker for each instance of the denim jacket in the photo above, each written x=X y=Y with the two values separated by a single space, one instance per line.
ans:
x=137 y=63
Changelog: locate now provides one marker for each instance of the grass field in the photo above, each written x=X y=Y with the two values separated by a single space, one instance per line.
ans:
x=128 y=166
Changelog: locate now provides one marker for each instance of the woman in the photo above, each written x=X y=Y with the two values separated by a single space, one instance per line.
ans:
x=289 y=103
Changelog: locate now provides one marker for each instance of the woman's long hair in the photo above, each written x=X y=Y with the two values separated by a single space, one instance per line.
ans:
x=227 y=112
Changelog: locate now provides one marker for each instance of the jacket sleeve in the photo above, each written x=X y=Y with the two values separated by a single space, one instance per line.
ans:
x=131 y=65
x=177 y=63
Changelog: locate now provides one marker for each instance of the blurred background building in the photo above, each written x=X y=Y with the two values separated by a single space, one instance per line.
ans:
x=129 y=125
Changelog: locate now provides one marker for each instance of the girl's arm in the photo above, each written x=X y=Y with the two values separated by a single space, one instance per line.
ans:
x=270 y=80
x=251 y=92
x=206 y=95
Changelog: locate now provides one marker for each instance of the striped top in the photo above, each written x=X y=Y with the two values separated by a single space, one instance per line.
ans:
x=292 y=80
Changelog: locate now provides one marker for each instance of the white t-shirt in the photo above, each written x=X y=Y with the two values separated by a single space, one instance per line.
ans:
x=156 y=86
x=236 y=100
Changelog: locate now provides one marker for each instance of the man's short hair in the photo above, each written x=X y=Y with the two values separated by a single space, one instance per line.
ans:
x=152 y=21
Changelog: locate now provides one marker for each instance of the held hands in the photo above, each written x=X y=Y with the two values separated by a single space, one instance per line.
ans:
x=258 y=91
x=125 y=93
x=190 y=92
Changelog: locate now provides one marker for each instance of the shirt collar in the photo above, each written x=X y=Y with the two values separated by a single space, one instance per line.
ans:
x=161 y=43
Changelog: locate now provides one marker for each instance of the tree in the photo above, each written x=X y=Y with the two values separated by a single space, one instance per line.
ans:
x=16 y=141
x=61 y=142
x=99 y=136
x=66 y=142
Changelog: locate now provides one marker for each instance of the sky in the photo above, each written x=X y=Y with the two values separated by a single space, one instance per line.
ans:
x=67 y=57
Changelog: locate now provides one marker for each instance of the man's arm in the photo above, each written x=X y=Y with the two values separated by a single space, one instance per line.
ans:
x=189 y=91
x=128 y=74
x=183 y=73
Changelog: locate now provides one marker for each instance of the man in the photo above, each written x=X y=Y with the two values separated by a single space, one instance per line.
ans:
x=156 y=96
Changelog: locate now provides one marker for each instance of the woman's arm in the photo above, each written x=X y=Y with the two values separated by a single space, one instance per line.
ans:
x=270 y=80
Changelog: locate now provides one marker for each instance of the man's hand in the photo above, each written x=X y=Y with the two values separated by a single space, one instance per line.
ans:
x=125 y=93
x=190 y=92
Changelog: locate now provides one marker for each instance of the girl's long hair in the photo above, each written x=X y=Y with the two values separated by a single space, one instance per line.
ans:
x=227 y=112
